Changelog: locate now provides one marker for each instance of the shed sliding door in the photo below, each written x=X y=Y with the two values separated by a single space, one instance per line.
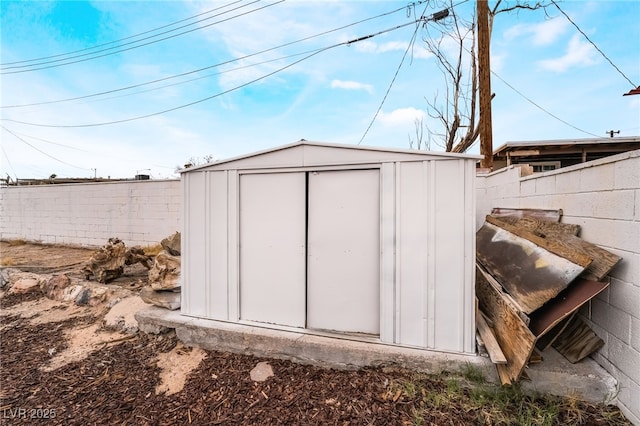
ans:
x=309 y=250
x=272 y=248
x=343 y=284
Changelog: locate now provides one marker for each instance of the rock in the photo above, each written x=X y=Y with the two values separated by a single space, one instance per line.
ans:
x=261 y=372
x=71 y=293
x=92 y=296
x=136 y=255
x=55 y=287
x=108 y=263
x=121 y=315
x=5 y=277
x=172 y=244
x=165 y=274
x=164 y=299
x=25 y=285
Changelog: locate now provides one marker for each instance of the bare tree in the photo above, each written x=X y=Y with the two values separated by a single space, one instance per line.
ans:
x=452 y=41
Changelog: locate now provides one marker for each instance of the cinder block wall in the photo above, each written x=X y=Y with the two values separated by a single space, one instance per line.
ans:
x=137 y=212
x=603 y=197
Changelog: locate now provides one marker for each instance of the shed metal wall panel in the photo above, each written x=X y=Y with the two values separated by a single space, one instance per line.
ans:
x=193 y=253
x=272 y=248
x=412 y=226
x=217 y=246
x=343 y=277
x=449 y=255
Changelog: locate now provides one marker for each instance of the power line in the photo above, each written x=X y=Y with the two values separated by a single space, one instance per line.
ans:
x=594 y=45
x=384 y=98
x=9 y=162
x=87 y=151
x=542 y=109
x=41 y=151
x=141 y=45
x=316 y=52
x=125 y=38
x=214 y=65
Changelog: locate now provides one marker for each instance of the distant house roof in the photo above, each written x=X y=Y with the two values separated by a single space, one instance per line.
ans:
x=567 y=146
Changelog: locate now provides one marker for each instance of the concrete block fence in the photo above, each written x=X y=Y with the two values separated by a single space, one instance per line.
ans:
x=137 y=212
x=603 y=197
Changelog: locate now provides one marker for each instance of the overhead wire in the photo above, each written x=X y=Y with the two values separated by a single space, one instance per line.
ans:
x=124 y=38
x=141 y=45
x=542 y=109
x=9 y=162
x=42 y=152
x=395 y=75
x=217 y=64
x=314 y=53
x=593 y=44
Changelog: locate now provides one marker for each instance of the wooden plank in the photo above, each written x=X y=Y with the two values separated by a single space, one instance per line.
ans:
x=565 y=234
x=541 y=228
x=512 y=334
x=505 y=296
x=578 y=341
x=536 y=357
x=548 y=215
x=489 y=339
x=565 y=304
x=548 y=338
x=553 y=245
x=530 y=273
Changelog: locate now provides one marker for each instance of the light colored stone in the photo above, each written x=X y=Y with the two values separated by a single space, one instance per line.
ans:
x=55 y=287
x=165 y=273
x=164 y=299
x=122 y=315
x=25 y=285
x=71 y=293
x=172 y=244
x=92 y=296
x=261 y=372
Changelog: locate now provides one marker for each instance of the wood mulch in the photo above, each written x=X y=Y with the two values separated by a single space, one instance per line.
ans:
x=116 y=386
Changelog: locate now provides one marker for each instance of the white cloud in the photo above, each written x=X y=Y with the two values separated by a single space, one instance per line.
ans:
x=542 y=34
x=401 y=116
x=351 y=85
x=579 y=54
x=367 y=46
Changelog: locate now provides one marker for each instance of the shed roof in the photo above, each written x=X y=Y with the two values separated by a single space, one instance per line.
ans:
x=306 y=153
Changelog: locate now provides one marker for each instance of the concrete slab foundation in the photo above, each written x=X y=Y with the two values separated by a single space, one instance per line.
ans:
x=555 y=375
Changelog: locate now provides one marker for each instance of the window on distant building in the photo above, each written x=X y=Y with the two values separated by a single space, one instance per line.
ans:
x=545 y=166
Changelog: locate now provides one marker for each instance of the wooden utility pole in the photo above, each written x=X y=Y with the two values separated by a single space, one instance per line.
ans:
x=484 y=76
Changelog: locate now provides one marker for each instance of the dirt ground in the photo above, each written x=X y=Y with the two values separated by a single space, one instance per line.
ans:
x=64 y=364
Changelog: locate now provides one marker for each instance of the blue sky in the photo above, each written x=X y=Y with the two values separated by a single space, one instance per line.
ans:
x=257 y=101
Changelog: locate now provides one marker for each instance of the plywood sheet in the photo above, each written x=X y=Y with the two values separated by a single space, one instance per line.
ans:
x=578 y=341
x=562 y=306
x=541 y=228
x=548 y=215
x=548 y=338
x=525 y=267
x=565 y=234
x=513 y=335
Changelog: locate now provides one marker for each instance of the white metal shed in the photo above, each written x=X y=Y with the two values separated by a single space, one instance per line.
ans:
x=371 y=243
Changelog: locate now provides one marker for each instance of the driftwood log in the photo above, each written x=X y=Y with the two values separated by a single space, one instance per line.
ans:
x=108 y=263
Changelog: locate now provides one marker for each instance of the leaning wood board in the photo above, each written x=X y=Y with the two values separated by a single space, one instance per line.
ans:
x=578 y=341
x=541 y=228
x=548 y=215
x=564 y=305
x=525 y=267
x=513 y=335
